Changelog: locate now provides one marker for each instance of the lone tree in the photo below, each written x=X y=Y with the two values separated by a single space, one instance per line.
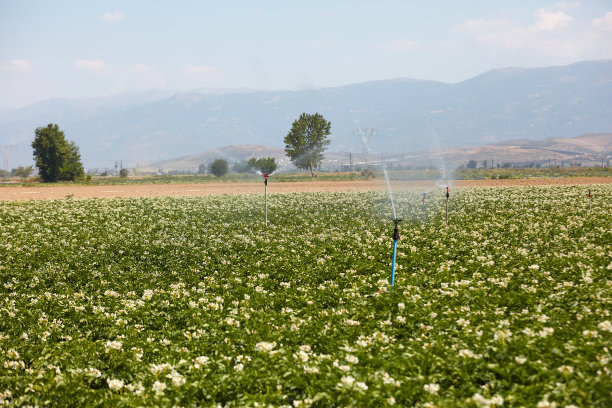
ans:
x=219 y=167
x=55 y=157
x=307 y=140
x=264 y=165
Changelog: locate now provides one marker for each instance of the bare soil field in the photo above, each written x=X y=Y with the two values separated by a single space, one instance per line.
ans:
x=42 y=192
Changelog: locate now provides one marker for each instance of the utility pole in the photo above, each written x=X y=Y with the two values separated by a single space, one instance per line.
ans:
x=5 y=151
x=115 y=167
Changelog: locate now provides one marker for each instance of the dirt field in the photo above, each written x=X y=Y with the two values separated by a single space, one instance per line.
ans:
x=155 y=190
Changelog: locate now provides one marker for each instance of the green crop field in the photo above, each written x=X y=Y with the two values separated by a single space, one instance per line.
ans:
x=195 y=302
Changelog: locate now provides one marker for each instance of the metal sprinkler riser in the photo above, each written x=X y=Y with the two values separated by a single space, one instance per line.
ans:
x=396 y=237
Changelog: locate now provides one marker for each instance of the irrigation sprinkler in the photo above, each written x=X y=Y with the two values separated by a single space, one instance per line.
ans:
x=396 y=230
x=447 y=195
x=396 y=237
x=590 y=199
x=265 y=176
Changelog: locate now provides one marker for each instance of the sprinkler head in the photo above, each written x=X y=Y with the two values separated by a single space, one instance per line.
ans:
x=447 y=195
x=589 y=193
x=396 y=234
x=424 y=197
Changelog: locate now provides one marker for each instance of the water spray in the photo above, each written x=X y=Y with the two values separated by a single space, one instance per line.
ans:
x=396 y=237
x=423 y=201
x=447 y=195
x=396 y=230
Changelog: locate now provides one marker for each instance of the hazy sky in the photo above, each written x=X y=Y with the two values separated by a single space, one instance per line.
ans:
x=58 y=48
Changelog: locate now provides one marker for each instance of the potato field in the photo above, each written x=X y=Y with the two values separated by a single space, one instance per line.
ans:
x=193 y=301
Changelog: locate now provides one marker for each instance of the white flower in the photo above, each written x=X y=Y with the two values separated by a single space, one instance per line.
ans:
x=115 y=385
x=502 y=334
x=361 y=385
x=347 y=381
x=432 y=388
x=113 y=345
x=565 y=370
x=264 y=346
x=301 y=355
x=401 y=306
x=159 y=387
x=351 y=359
x=605 y=326
x=177 y=379
x=520 y=359
x=239 y=367
x=311 y=370
x=201 y=361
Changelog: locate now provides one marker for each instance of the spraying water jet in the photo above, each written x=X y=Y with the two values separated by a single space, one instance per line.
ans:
x=396 y=235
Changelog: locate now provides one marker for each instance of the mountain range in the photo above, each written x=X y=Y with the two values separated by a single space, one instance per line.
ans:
x=400 y=115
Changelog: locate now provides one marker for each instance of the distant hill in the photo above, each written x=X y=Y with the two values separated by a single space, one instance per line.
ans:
x=590 y=149
x=408 y=115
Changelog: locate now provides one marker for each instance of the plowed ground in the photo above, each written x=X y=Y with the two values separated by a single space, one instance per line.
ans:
x=153 y=190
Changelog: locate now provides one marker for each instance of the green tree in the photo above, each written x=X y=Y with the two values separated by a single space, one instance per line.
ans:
x=123 y=173
x=202 y=168
x=55 y=157
x=264 y=165
x=24 y=172
x=72 y=168
x=307 y=140
x=219 y=167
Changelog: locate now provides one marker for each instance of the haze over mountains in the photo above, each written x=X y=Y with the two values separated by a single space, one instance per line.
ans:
x=408 y=115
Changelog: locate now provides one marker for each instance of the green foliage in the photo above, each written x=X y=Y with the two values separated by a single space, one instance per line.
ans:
x=24 y=172
x=219 y=167
x=264 y=165
x=123 y=173
x=193 y=301
x=307 y=140
x=202 y=168
x=55 y=157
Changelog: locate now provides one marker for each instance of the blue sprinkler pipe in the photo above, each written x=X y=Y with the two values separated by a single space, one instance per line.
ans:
x=396 y=237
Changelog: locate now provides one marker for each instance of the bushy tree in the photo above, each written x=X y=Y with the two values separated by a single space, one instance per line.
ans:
x=307 y=140
x=202 y=168
x=24 y=172
x=219 y=167
x=264 y=165
x=55 y=157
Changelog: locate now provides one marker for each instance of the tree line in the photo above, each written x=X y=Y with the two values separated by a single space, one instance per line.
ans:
x=59 y=159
